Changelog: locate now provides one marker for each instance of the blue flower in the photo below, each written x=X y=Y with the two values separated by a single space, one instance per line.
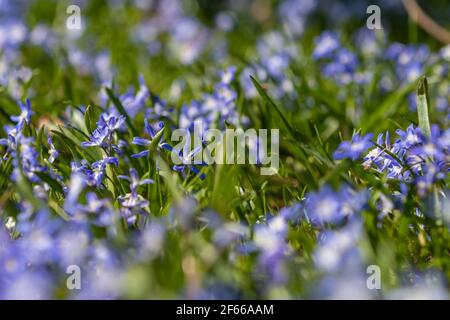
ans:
x=294 y=14
x=188 y=160
x=325 y=45
x=106 y=160
x=94 y=173
x=37 y=232
x=431 y=158
x=383 y=161
x=29 y=160
x=227 y=233
x=220 y=105
x=324 y=206
x=431 y=173
x=106 y=126
x=328 y=206
x=354 y=148
x=409 y=62
x=227 y=76
x=28 y=285
x=146 y=142
x=52 y=151
x=293 y=213
x=338 y=248
x=246 y=82
x=188 y=39
x=13 y=32
x=15 y=132
x=25 y=114
x=409 y=138
x=352 y=201
x=338 y=63
x=99 y=138
x=434 y=148
x=134 y=181
x=100 y=166
x=134 y=103
x=368 y=42
x=416 y=158
x=112 y=121
x=343 y=67
x=151 y=241
x=277 y=64
x=133 y=203
x=270 y=240
x=159 y=110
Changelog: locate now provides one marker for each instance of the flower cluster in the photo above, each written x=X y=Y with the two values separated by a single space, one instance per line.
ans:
x=412 y=157
x=340 y=64
x=275 y=56
x=218 y=106
x=21 y=148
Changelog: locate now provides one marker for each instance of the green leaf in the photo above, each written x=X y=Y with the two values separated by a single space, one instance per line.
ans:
x=422 y=106
x=68 y=144
x=91 y=115
x=424 y=125
x=51 y=182
x=272 y=105
x=5 y=172
x=386 y=109
x=40 y=139
x=156 y=139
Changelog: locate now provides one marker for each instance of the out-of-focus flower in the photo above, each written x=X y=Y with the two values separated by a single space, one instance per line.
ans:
x=328 y=206
x=354 y=148
x=134 y=103
x=12 y=33
x=270 y=241
x=337 y=62
x=423 y=286
x=325 y=45
x=29 y=285
x=188 y=39
x=160 y=109
x=151 y=240
x=409 y=61
x=324 y=206
x=294 y=14
x=220 y=106
x=337 y=250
